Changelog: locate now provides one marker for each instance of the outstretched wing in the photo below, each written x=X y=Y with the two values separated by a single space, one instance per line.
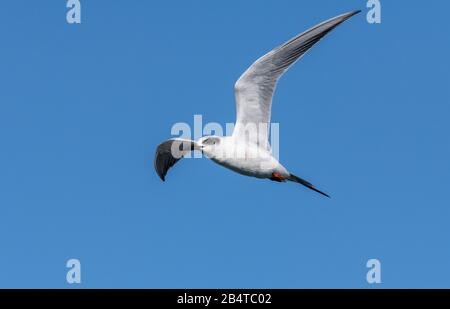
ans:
x=170 y=152
x=255 y=88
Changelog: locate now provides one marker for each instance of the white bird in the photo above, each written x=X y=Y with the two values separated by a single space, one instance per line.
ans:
x=247 y=150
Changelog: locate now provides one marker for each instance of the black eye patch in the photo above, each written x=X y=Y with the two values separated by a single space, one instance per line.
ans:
x=211 y=141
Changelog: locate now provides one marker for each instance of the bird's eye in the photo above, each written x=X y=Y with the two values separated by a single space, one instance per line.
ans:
x=215 y=141
x=211 y=141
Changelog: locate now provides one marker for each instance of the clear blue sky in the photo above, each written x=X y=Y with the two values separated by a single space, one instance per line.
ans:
x=82 y=108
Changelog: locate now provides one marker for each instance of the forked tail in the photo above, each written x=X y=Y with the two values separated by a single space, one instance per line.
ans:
x=301 y=181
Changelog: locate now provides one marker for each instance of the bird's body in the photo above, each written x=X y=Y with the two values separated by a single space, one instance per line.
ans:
x=247 y=150
x=244 y=158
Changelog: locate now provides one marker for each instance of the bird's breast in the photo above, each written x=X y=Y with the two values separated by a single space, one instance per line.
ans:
x=246 y=160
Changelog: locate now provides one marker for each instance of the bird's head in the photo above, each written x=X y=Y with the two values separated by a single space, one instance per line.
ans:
x=209 y=144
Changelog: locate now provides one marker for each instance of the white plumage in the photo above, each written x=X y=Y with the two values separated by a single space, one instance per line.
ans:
x=247 y=150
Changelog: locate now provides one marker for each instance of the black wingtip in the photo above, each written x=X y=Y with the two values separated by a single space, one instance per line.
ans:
x=318 y=191
x=325 y=194
x=351 y=14
x=161 y=175
x=306 y=184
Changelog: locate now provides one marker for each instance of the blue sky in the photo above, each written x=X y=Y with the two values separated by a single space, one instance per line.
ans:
x=364 y=116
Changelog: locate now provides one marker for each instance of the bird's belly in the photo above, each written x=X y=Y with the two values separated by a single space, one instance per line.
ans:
x=248 y=167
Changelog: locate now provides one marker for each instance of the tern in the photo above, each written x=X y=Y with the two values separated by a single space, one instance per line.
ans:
x=247 y=150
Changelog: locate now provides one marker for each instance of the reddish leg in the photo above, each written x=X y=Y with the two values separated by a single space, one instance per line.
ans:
x=277 y=177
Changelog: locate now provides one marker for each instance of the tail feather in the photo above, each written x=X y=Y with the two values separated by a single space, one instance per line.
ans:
x=306 y=184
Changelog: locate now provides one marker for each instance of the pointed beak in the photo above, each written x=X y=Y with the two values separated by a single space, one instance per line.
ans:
x=200 y=148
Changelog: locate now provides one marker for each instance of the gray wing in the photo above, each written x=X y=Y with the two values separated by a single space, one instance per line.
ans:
x=170 y=152
x=255 y=88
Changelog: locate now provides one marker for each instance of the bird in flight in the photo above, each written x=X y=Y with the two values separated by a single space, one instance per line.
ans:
x=247 y=150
